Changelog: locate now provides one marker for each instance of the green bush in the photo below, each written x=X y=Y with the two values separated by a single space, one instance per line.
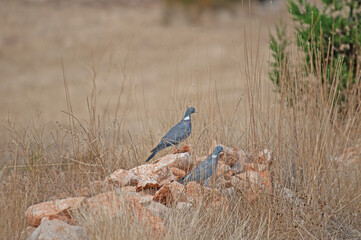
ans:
x=330 y=38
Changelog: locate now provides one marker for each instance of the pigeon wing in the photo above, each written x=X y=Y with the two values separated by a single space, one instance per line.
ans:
x=202 y=171
x=175 y=135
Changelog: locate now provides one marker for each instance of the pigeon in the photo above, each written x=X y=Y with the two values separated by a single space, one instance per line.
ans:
x=176 y=134
x=204 y=170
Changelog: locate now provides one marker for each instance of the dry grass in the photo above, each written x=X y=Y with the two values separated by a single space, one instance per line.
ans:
x=227 y=83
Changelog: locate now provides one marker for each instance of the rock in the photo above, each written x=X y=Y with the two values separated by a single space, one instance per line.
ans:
x=170 y=194
x=156 y=208
x=222 y=182
x=251 y=177
x=183 y=149
x=230 y=193
x=142 y=214
x=24 y=234
x=264 y=157
x=112 y=204
x=249 y=183
x=58 y=230
x=237 y=168
x=265 y=174
x=231 y=155
x=255 y=167
x=59 y=208
x=209 y=197
x=267 y=180
x=163 y=195
x=128 y=189
x=145 y=200
x=109 y=202
x=178 y=173
x=349 y=157
x=148 y=191
x=181 y=161
x=198 y=161
x=122 y=178
x=152 y=175
x=238 y=183
x=184 y=206
x=147 y=175
x=223 y=169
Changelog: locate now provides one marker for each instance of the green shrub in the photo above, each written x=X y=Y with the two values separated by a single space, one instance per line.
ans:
x=330 y=38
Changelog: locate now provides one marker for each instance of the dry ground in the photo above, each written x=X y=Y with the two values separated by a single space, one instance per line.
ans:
x=125 y=45
x=138 y=77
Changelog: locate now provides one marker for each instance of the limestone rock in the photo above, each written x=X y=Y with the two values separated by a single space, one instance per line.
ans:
x=255 y=167
x=152 y=175
x=183 y=149
x=123 y=178
x=25 y=233
x=59 y=208
x=113 y=204
x=184 y=206
x=250 y=184
x=201 y=194
x=170 y=194
x=58 y=230
x=264 y=157
x=156 y=208
x=231 y=155
x=181 y=161
x=251 y=177
x=223 y=169
x=178 y=173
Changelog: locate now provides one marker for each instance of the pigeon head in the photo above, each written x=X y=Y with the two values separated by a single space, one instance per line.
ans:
x=217 y=150
x=189 y=112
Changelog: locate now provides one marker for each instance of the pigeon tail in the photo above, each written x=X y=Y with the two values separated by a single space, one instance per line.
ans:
x=181 y=181
x=151 y=155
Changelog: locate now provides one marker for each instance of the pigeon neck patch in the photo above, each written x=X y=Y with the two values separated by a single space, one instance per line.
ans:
x=187 y=118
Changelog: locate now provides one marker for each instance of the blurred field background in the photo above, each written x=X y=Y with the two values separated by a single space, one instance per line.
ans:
x=129 y=46
x=91 y=86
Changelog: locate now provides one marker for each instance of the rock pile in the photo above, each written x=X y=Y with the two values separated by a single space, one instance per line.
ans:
x=148 y=191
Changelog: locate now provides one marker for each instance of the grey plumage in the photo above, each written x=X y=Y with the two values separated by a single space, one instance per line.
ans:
x=176 y=134
x=204 y=170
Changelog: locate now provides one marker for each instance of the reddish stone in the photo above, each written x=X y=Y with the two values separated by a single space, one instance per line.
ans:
x=267 y=180
x=113 y=204
x=55 y=209
x=183 y=149
x=170 y=194
x=181 y=161
x=163 y=195
x=255 y=167
x=56 y=229
x=230 y=155
x=152 y=176
x=223 y=170
x=200 y=194
x=178 y=173
x=123 y=178
x=264 y=157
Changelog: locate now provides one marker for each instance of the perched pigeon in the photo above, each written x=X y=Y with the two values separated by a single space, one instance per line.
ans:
x=176 y=134
x=204 y=170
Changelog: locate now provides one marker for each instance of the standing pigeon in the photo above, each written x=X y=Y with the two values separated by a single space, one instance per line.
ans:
x=205 y=169
x=176 y=134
